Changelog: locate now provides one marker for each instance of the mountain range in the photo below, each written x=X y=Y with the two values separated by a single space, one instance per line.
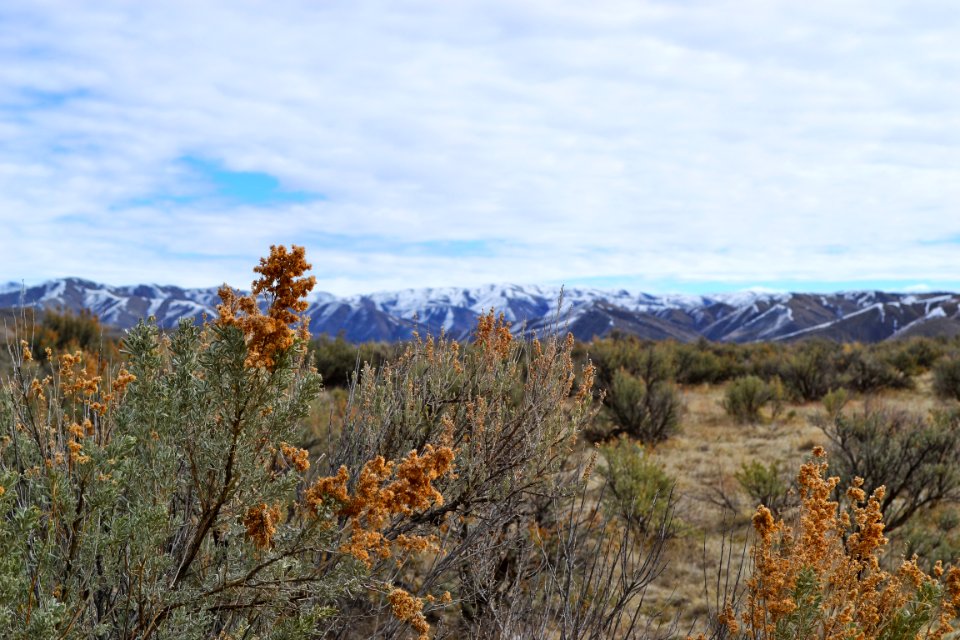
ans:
x=865 y=316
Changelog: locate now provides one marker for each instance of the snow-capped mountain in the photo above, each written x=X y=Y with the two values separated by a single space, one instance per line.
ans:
x=867 y=316
x=118 y=306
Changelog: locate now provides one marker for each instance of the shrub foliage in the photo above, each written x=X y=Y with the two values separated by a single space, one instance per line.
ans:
x=168 y=496
x=163 y=500
x=913 y=456
x=764 y=484
x=168 y=491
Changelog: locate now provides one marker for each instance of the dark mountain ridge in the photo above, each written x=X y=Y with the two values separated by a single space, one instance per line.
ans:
x=864 y=316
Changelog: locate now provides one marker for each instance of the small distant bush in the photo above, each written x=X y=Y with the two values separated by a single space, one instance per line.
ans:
x=647 y=409
x=638 y=490
x=642 y=358
x=778 y=401
x=745 y=397
x=946 y=379
x=934 y=539
x=62 y=330
x=764 y=484
x=914 y=356
x=834 y=403
x=698 y=363
x=809 y=372
x=765 y=359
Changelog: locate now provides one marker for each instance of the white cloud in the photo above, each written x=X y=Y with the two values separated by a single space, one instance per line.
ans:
x=715 y=142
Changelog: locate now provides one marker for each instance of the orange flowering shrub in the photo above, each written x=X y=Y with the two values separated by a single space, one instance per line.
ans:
x=511 y=410
x=157 y=498
x=375 y=501
x=822 y=578
x=493 y=336
x=282 y=281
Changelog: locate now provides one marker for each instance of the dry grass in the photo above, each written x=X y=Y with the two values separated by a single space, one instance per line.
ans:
x=711 y=443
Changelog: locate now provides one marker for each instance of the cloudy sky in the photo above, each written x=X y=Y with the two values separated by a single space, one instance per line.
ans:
x=683 y=145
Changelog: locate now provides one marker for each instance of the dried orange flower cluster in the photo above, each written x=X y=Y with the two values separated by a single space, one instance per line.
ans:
x=296 y=457
x=282 y=281
x=493 y=335
x=123 y=380
x=78 y=432
x=409 y=609
x=77 y=376
x=78 y=380
x=588 y=376
x=261 y=523
x=374 y=502
x=824 y=579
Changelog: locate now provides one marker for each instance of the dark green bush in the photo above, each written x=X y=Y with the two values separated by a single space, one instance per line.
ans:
x=338 y=360
x=763 y=359
x=698 y=363
x=866 y=370
x=745 y=397
x=946 y=379
x=766 y=485
x=914 y=356
x=637 y=380
x=809 y=371
x=834 y=403
x=639 y=491
x=912 y=455
x=647 y=409
x=642 y=358
x=934 y=539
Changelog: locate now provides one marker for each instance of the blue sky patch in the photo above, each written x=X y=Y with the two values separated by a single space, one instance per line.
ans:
x=244 y=187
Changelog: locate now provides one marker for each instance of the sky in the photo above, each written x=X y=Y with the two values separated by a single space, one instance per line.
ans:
x=679 y=146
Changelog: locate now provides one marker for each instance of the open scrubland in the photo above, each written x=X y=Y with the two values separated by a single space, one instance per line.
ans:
x=240 y=479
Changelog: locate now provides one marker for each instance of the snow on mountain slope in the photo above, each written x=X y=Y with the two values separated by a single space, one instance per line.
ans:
x=740 y=317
